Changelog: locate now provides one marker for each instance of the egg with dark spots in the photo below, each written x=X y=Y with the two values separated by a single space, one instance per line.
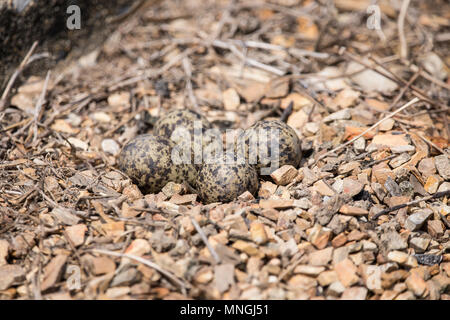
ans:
x=180 y=118
x=269 y=145
x=186 y=128
x=147 y=160
x=224 y=182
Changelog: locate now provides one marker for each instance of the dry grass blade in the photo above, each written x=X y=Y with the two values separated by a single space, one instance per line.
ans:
x=13 y=78
x=401 y=29
x=205 y=241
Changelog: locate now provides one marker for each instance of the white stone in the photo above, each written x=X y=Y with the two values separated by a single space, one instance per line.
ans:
x=110 y=146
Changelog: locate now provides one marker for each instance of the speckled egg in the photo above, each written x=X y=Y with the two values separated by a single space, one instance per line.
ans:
x=180 y=118
x=147 y=160
x=258 y=144
x=179 y=124
x=224 y=182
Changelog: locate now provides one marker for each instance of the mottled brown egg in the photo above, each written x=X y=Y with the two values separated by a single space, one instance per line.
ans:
x=270 y=144
x=180 y=118
x=147 y=160
x=186 y=129
x=224 y=182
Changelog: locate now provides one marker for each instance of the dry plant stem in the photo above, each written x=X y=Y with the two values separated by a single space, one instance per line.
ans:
x=394 y=77
x=39 y=103
x=410 y=103
x=402 y=92
x=401 y=29
x=15 y=75
x=148 y=263
x=249 y=61
x=429 y=77
x=431 y=143
x=205 y=240
x=436 y=195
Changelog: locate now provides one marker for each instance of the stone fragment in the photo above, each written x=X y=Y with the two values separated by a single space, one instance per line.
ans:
x=231 y=100
x=371 y=276
x=352 y=187
x=327 y=277
x=354 y=293
x=419 y=244
x=445 y=186
x=138 y=247
x=53 y=271
x=432 y=184
x=353 y=211
x=125 y=278
x=348 y=167
x=4 y=249
x=346 y=272
x=359 y=145
x=110 y=146
x=391 y=240
x=284 y=175
x=102 y=265
x=319 y=236
x=308 y=270
x=65 y=216
x=442 y=163
x=392 y=187
x=387 y=125
x=416 y=284
x=381 y=172
x=9 y=274
x=276 y=204
x=399 y=160
x=340 y=254
x=398 y=257
x=76 y=234
x=379 y=190
x=246 y=197
x=339 y=240
x=321 y=257
x=183 y=199
x=390 y=140
x=426 y=167
x=302 y=281
x=247 y=247
x=223 y=276
x=416 y=220
x=322 y=188
x=172 y=188
x=258 y=233
x=428 y=259
x=343 y=114
x=403 y=149
x=267 y=189
x=435 y=228
x=408 y=295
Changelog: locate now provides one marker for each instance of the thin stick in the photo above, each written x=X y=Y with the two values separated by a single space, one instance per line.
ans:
x=16 y=74
x=431 y=143
x=402 y=92
x=39 y=103
x=394 y=208
x=249 y=61
x=148 y=263
x=401 y=29
x=410 y=103
x=205 y=240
